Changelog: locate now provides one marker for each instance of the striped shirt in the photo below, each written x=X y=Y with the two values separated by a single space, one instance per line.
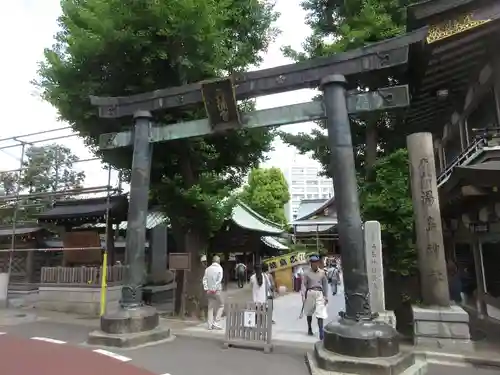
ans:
x=212 y=280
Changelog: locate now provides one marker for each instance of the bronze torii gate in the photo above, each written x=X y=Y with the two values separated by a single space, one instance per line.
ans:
x=354 y=334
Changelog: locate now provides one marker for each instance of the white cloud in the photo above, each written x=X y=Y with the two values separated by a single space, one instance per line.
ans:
x=28 y=26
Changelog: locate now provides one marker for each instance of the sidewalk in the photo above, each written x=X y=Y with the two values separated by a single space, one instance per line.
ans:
x=289 y=329
x=289 y=332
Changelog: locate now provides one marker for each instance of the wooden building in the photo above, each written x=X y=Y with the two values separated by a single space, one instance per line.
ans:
x=75 y=222
x=316 y=225
x=25 y=262
x=248 y=237
x=455 y=94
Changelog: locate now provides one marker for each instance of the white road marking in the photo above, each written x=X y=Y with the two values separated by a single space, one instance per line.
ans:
x=3 y=333
x=166 y=373
x=46 y=339
x=112 y=355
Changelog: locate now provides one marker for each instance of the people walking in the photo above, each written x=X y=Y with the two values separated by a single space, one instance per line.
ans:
x=241 y=270
x=454 y=282
x=315 y=295
x=333 y=276
x=271 y=289
x=260 y=285
x=203 y=261
x=212 y=284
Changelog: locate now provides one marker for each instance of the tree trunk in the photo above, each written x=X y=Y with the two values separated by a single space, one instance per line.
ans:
x=195 y=244
x=178 y=234
x=371 y=144
x=192 y=241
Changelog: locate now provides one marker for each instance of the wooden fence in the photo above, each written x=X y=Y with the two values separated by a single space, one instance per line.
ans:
x=249 y=325
x=81 y=276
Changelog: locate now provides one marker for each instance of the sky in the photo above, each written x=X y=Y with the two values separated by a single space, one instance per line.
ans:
x=28 y=26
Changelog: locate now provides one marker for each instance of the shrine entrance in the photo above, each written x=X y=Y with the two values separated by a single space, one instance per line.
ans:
x=337 y=76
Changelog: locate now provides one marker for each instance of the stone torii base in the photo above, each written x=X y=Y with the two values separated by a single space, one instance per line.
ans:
x=362 y=347
x=129 y=328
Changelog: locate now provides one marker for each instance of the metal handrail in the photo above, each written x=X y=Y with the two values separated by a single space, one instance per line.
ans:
x=466 y=155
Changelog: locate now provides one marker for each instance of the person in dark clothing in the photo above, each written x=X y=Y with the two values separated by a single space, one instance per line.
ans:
x=241 y=270
x=454 y=282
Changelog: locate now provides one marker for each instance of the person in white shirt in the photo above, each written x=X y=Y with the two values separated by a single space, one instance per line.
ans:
x=212 y=284
x=260 y=285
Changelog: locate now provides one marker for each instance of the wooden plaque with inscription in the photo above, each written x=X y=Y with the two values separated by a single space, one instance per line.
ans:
x=179 y=261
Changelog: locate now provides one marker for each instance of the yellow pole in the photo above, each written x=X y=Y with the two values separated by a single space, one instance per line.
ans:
x=104 y=282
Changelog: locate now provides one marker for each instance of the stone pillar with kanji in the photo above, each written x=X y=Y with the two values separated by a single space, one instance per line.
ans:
x=437 y=321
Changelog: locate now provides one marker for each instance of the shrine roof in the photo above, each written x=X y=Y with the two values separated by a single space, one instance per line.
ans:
x=461 y=35
x=485 y=174
x=85 y=210
x=310 y=208
x=8 y=230
x=273 y=243
x=419 y=14
x=155 y=217
x=246 y=218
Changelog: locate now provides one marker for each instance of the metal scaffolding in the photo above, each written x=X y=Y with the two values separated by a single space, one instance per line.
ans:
x=23 y=198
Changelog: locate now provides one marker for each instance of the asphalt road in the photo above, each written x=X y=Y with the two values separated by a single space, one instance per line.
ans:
x=188 y=356
x=182 y=356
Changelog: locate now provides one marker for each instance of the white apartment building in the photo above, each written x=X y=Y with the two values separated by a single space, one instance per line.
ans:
x=304 y=182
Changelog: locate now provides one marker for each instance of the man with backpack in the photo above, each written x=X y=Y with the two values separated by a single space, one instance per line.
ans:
x=333 y=275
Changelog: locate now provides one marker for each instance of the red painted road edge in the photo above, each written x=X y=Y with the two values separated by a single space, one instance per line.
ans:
x=31 y=357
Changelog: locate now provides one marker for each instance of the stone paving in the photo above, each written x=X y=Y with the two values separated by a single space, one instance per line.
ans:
x=288 y=327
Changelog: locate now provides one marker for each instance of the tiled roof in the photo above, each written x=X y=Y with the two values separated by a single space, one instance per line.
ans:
x=308 y=206
x=7 y=231
x=244 y=217
x=84 y=208
x=274 y=243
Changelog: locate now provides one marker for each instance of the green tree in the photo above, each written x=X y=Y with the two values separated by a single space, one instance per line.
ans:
x=352 y=24
x=46 y=169
x=50 y=168
x=124 y=47
x=267 y=193
x=386 y=198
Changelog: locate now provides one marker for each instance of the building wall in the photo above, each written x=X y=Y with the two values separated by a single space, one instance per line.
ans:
x=304 y=182
x=477 y=252
x=457 y=134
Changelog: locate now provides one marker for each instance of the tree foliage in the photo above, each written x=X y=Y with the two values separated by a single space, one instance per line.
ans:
x=45 y=169
x=124 y=47
x=50 y=168
x=386 y=198
x=338 y=26
x=267 y=193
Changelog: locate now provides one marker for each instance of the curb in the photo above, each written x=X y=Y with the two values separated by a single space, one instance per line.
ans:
x=439 y=358
x=458 y=360
x=278 y=345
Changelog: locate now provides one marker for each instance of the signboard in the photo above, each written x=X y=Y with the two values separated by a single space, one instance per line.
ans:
x=479 y=227
x=179 y=261
x=373 y=254
x=220 y=103
x=249 y=319
x=286 y=261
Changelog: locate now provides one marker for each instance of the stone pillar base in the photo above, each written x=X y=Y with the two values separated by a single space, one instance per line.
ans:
x=325 y=362
x=129 y=328
x=441 y=328
x=387 y=317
